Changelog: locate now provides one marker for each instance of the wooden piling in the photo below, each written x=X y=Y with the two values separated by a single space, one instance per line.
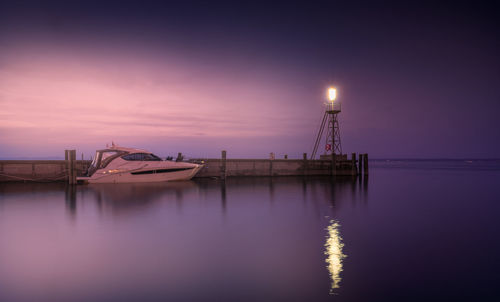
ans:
x=360 y=164
x=286 y=156
x=354 y=169
x=223 y=165
x=271 y=164
x=68 y=165
x=70 y=157
x=365 y=158
x=304 y=157
x=73 y=166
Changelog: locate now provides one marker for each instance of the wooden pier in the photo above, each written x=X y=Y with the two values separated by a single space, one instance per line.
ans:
x=67 y=170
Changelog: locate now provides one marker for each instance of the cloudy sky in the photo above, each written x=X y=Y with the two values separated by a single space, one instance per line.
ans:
x=415 y=80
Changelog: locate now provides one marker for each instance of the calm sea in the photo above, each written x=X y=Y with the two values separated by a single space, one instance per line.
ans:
x=412 y=231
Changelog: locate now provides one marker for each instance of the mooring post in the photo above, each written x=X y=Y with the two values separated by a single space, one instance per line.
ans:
x=73 y=167
x=223 y=165
x=304 y=157
x=271 y=158
x=365 y=158
x=68 y=165
x=360 y=164
x=75 y=175
x=286 y=156
x=70 y=168
x=354 y=168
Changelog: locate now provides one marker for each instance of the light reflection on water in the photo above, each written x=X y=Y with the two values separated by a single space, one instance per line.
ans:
x=243 y=239
x=334 y=246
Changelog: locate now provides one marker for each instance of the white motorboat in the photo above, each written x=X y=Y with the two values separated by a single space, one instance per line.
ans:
x=128 y=165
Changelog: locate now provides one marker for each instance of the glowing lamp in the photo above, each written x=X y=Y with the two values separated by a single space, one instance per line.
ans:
x=332 y=94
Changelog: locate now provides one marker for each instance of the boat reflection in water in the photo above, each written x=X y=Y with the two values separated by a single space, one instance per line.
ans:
x=122 y=198
x=334 y=246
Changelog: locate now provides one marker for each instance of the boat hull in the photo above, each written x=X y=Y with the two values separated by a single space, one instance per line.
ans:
x=141 y=176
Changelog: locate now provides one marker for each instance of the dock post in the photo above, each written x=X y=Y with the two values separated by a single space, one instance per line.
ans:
x=70 y=157
x=68 y=165
x=73 y=166
x=354 y=168
x=271 y=163
x=365 y=158
x=304 y=157
x=223 y=166
x=286 y=156
x=360 y=164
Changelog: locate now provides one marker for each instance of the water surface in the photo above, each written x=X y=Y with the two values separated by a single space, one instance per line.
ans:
x=411 y=231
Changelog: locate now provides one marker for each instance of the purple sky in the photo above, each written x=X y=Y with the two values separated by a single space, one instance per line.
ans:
x=415 y=80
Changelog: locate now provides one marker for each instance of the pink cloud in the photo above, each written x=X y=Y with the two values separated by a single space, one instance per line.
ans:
x=68 y=97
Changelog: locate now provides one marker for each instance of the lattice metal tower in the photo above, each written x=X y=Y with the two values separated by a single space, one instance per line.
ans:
x=330 y=122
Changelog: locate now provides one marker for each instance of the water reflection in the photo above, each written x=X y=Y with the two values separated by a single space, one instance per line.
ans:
x=317 y=189
x=123 y=198
x=335 y=256
x=155 y=239
x=70 y=198
x=223 y=197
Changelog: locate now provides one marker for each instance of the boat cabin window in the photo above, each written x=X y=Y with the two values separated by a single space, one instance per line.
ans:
x=141 y=157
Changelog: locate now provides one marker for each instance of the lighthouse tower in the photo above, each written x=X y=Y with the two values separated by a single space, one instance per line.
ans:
x=330 y=122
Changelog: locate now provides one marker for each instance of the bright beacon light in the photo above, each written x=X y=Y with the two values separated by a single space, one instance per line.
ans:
x=332 y=94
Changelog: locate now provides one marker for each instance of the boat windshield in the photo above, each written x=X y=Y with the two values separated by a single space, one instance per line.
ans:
x=107 y=154
x=102 y=159
x=95 y=160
